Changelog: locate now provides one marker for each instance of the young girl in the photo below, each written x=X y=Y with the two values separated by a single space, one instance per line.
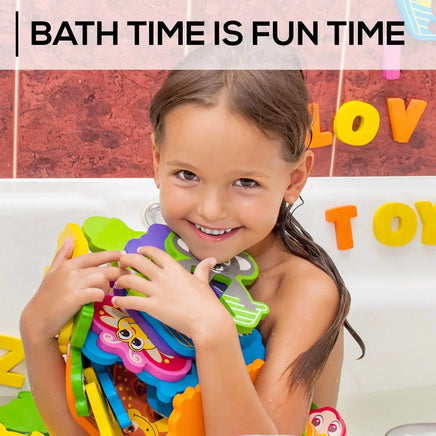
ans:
x=230 y=153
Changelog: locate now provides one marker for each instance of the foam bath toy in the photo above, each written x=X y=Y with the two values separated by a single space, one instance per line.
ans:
x=120 y=334
x=427 y=213
x=345 y=118
x=326 y=421
x=74 y=367
x=404 y=121
x=319 y=139
x=77 y=328
x=113 y=398
x=21 y=415
x=341 y=217
x=103 y=415
x=107 y=233
x=5 y=432
x=407 y=224
x=14 y=355
x=187 y=416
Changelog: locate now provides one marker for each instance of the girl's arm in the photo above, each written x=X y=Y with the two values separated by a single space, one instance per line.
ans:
x=231 y=404
x=68 y=284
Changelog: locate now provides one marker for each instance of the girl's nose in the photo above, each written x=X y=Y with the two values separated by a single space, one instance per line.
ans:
x=213 y=205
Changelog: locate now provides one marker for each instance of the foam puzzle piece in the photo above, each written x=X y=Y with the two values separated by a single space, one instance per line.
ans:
x=341 y=217
x=104 y=417
x=81 y=325
x=95 y=354
x=427 y=213
x=5 y=432
x=75 y=330
x=344 y=120
x=187 y=416
x=404 y=121
x=133 y=394
x=74 y=360
x=382 y=224
x=107 y=233
x=21 y=415
x=113 y=398
x=121 y=335
x=235 y=274
x=86 y=424
x=14 y=355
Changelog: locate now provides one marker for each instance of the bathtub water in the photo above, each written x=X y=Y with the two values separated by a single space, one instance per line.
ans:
x=393 y=288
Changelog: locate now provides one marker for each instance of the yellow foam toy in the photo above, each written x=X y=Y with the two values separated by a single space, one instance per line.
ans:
x=427 y=213
x=12 y=358
x=74 y=232
x=106 y=421
x=382 y=224
x=4 y=432
x=344 y=120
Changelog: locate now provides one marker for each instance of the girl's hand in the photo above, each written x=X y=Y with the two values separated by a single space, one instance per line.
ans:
x=67 y=286
x=179 y=299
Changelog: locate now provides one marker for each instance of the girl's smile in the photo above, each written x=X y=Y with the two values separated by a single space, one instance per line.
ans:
x=223 y=205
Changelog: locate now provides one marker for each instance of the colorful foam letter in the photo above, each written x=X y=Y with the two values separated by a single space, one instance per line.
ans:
x=341 y=217
x=404 y=121
x=12 y=358
x=319 y=139
x=407 y=224
x=427 y=213
x=345 y=118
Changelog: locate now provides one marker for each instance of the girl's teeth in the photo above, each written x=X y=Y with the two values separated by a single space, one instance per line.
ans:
x=212 y=231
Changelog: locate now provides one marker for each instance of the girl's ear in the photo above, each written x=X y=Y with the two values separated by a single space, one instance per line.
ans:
x=156 y=157
x=298 y=177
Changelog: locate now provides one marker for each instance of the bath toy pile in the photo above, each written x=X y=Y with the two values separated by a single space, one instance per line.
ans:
x=126 y=371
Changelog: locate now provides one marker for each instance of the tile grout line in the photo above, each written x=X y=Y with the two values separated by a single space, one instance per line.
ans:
x=15 y=134
x=188 y=17
x=338 y=99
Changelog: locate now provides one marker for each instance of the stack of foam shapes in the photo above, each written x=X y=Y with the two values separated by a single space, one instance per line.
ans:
x=125 y=369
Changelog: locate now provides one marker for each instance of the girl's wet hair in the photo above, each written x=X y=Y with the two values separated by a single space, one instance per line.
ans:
x=276 y=101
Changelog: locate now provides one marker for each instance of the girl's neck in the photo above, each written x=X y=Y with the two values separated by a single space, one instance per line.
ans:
x=268 y=252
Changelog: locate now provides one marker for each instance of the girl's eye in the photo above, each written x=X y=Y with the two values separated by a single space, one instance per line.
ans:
x=246 y=183
x=186 y=175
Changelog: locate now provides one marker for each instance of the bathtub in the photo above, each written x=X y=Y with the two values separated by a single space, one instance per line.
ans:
x=393 y=288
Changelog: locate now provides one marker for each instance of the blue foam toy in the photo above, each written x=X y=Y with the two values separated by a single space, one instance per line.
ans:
x=113 y=398
x=417 y=15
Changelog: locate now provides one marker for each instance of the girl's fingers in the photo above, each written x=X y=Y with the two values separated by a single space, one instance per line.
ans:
x=90 y=295
x=132 y=302
x=203 y=268
x=140 y=263
x=64 y=253
x=132 y=281
x=158 y=256
x=96 y=259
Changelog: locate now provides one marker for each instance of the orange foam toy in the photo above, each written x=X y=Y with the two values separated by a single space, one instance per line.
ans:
x=404 y=121
x=341 y=217
x=187 y=416
x=319 y=139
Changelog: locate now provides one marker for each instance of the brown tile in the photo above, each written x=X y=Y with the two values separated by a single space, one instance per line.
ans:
x=323 y=87
x=383 y=156
x=85 y=123
x=7 y=81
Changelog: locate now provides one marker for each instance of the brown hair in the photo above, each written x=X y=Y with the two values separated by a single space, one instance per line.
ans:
x=276 y=101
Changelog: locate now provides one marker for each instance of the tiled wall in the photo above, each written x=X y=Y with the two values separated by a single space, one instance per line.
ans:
x=95 y=123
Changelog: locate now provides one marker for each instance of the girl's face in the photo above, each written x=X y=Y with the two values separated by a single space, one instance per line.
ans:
x=222 y=180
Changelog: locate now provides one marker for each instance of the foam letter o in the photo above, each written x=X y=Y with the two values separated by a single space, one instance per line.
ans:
x=344 y=119
x=382 y=224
